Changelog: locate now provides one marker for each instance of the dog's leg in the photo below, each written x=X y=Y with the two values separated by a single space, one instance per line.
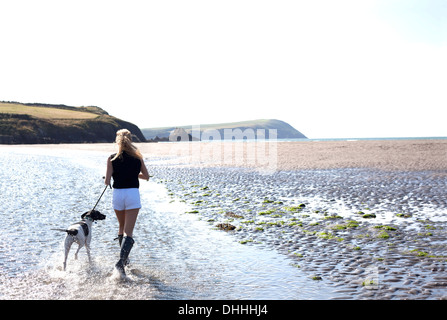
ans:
x=79 y=248
x=68 y=243
x=87 y=247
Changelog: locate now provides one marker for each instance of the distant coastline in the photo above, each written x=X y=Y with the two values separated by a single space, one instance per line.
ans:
x=325 y=139
x=38 y=123
x=247 y=130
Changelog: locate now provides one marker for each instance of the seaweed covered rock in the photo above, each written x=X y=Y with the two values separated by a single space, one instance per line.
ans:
x=225 y=226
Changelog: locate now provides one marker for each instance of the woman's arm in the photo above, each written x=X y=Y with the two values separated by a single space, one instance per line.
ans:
x=109 y=171
x=144 y=174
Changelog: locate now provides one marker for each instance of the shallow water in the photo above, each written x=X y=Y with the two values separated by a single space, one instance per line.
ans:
x=175 y=256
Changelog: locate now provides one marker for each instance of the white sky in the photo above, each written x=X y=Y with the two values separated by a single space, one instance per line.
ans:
x=332 y=69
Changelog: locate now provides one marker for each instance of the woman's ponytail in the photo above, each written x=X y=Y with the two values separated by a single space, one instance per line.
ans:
x=124 y=142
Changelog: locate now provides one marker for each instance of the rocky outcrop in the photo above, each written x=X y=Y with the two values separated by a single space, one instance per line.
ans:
x=180 y=134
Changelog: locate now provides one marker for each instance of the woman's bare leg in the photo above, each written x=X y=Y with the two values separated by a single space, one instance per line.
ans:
x=126 y=219
x=130 y=219
x=121 y=216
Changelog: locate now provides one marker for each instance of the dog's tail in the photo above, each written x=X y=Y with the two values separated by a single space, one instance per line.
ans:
x=70 y=232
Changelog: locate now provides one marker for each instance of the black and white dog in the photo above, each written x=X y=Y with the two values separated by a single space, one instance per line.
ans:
x=81 y=233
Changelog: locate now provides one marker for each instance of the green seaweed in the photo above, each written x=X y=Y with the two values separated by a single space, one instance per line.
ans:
x=385 y=227
x=263 y=213
x=369 y=283
x=352 y=224
x=332 y=217
x=295 y=208
x=293 y=224
x=383 y=235
x=349 y=224
x=325 y=235
x=419 y=253
x=338 y=227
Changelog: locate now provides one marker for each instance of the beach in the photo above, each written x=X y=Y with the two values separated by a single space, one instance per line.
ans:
x=405 y=154
x=367 y=219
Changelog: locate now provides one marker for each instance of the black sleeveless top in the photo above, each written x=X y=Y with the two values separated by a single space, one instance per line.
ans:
x=125 y=171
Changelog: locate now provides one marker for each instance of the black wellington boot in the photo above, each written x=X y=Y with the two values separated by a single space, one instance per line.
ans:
x=120 y=241
x=124 y=254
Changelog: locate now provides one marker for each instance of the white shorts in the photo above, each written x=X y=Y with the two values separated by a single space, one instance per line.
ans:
x=126 y=199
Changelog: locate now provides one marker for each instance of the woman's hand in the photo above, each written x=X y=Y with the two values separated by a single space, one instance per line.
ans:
x=109 y=172
x=144 y=174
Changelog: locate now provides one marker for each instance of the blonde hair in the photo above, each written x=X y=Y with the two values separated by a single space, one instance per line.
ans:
x=124 y=142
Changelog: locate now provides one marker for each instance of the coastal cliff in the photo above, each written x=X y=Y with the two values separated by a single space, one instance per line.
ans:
x=44 y=123
x=284 y=130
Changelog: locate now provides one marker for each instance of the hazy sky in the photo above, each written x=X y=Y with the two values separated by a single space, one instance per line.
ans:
x=332 y=69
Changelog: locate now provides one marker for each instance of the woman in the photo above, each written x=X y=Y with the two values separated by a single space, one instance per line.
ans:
x=126 y=167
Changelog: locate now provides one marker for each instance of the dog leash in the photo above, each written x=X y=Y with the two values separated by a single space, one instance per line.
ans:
x=101 y=196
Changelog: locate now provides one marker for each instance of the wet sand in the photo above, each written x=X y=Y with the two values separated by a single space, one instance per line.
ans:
x=378 y=154
x=365 y=233
x=367 y=218
x=385 y=154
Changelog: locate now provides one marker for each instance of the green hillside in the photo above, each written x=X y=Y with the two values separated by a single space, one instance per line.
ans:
x=284 y=130
x=50 y=112
x=24 y=123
